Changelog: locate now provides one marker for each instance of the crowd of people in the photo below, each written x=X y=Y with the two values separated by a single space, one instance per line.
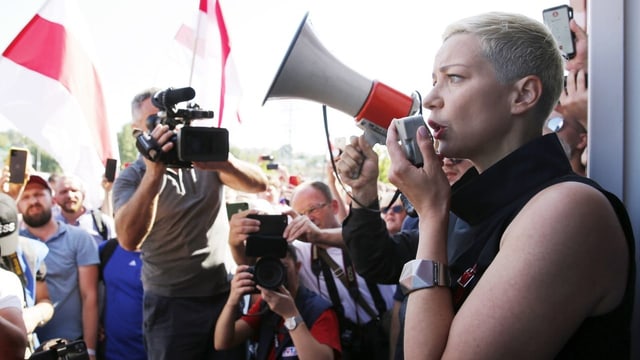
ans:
x=472 y=254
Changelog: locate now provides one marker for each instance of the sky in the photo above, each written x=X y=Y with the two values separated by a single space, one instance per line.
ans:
x=390 y=41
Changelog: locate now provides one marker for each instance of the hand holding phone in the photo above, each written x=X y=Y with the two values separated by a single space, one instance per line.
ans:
x=18 y=165
x=557 y=20
x=110 y=170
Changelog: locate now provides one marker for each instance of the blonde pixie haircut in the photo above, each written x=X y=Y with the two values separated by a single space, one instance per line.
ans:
x=517 y=46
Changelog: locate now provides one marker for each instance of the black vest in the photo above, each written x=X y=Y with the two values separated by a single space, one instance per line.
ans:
x=489 y=202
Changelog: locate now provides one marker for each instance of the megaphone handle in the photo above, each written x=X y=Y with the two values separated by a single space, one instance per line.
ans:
x=371 y=137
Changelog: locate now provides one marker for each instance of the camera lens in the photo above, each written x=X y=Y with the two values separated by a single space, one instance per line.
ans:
x=269 y=273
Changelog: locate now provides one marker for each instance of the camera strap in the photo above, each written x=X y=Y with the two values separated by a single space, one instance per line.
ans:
x=347 y=277
x=317 y=265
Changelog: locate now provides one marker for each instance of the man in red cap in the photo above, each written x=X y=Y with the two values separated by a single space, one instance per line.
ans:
x=72 y=267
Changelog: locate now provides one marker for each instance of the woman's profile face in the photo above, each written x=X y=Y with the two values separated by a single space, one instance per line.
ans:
x=469 y=108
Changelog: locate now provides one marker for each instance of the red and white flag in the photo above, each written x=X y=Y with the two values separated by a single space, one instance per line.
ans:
x=51 y=92
x=207 y=56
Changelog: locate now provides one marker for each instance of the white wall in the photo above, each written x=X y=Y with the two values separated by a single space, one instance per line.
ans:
x=614 y=128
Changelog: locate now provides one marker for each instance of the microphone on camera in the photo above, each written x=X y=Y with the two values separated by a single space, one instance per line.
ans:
x=166 y=99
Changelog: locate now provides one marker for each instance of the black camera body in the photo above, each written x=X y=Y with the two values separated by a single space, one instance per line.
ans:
x=191 y=143
x=270 y=246
x=63 y=350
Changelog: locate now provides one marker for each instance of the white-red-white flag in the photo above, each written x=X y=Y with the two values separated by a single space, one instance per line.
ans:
x=51 y=92
x=207 y=50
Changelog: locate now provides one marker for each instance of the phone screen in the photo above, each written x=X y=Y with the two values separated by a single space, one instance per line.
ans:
x=557 y=20
x=233 y=208
x=110 y=170
x=17 y=165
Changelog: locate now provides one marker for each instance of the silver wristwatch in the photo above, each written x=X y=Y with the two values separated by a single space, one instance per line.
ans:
x=420 y=274
x=292 y=323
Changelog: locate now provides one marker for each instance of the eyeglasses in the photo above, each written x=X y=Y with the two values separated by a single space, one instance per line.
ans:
x=395 y=209
x=555 y=124
x=313 y=209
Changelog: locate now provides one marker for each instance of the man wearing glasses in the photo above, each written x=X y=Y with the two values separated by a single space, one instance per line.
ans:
x=317 y=235
x=361 y=304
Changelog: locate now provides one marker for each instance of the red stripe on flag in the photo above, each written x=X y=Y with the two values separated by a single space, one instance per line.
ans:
x=47 y=48
x=225 y=49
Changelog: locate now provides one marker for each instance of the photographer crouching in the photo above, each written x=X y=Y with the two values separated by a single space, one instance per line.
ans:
x=289 y=322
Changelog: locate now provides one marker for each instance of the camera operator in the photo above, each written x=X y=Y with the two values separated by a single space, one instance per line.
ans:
x=168 y=213
x=298 y=324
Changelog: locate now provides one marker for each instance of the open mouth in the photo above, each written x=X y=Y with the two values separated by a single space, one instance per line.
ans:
x=438 y=130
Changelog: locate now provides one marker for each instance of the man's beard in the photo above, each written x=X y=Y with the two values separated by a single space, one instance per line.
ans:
x=71 y=208
x=37 y=220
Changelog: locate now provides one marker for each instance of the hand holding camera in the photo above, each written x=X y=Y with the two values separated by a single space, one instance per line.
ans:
x=189 y=143
x=241 y=284
x=279 y=301
x=269 y=245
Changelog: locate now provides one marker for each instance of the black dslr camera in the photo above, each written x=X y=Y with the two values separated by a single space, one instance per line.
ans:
x=191 y=143
x=269 y=245
x=62 y=350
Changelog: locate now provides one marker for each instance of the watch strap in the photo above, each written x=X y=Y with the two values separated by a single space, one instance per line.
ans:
x=421 y=274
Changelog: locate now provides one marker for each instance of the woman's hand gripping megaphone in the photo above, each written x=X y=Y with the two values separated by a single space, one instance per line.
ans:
x=358 y=168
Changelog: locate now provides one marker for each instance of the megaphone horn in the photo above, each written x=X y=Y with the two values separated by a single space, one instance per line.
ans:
x=309 y=71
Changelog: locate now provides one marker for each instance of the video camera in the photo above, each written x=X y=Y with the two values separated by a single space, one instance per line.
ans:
x=191 y=143
x=269 y=245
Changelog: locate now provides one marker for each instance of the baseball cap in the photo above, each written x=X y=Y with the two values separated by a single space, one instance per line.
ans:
x=36 y=179
x=8 y=225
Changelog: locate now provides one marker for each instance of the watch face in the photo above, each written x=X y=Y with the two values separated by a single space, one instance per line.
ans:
x=292 y=322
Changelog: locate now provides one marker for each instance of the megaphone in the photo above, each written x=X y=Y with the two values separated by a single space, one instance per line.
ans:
x=310 y=72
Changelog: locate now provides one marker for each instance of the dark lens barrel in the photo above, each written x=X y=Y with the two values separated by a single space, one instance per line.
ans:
x=269 y=273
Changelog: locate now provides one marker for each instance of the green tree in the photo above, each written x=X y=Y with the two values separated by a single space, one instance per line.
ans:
x=127 y=145
x=41 y=160
x=384 y=162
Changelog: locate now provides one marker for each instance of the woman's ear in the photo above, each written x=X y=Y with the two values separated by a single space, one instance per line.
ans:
x=526 y=93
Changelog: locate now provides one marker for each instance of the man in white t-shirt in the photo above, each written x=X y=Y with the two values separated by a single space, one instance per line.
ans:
x=13 y=334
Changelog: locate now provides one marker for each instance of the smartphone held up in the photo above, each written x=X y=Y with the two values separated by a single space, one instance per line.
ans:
x=110 y=170
x=557 y=20
x=18 y=165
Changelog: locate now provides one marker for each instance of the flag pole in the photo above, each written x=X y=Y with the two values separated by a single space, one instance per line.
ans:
x=194 y=50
